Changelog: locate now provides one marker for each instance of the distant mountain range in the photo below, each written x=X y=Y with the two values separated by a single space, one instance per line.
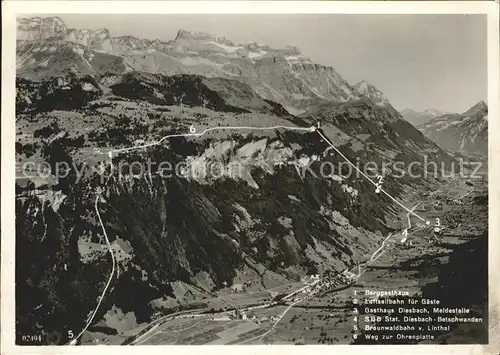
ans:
x=46 y=47
x=417 y=118
x=464 y=132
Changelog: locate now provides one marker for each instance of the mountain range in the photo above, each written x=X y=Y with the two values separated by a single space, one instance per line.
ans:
x=464 y=132
x=417 y=118
x=46 y=47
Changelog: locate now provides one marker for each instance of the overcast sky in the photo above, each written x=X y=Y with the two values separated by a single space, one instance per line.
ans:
x=417 y=61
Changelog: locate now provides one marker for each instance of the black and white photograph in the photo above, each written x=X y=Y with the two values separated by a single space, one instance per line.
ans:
x=251 y=179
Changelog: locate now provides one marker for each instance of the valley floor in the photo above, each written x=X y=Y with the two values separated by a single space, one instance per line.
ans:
x=315 y=311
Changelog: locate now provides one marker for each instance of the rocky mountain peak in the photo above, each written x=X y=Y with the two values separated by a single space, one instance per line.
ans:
x=363 y=88
x=464 y=132
x=80 y=34
x=102 y=32
x=478 y=108
x=200 y=36
x=38 y=28
x=99 y=40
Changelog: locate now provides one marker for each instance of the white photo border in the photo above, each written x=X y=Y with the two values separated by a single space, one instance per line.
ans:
x=12 y=9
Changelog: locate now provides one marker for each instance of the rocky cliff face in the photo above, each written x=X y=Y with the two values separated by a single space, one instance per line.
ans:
x=99 y=40
x=39 y=29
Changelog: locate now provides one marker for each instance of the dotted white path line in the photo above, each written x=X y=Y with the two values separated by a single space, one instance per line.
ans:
x=309 y=129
